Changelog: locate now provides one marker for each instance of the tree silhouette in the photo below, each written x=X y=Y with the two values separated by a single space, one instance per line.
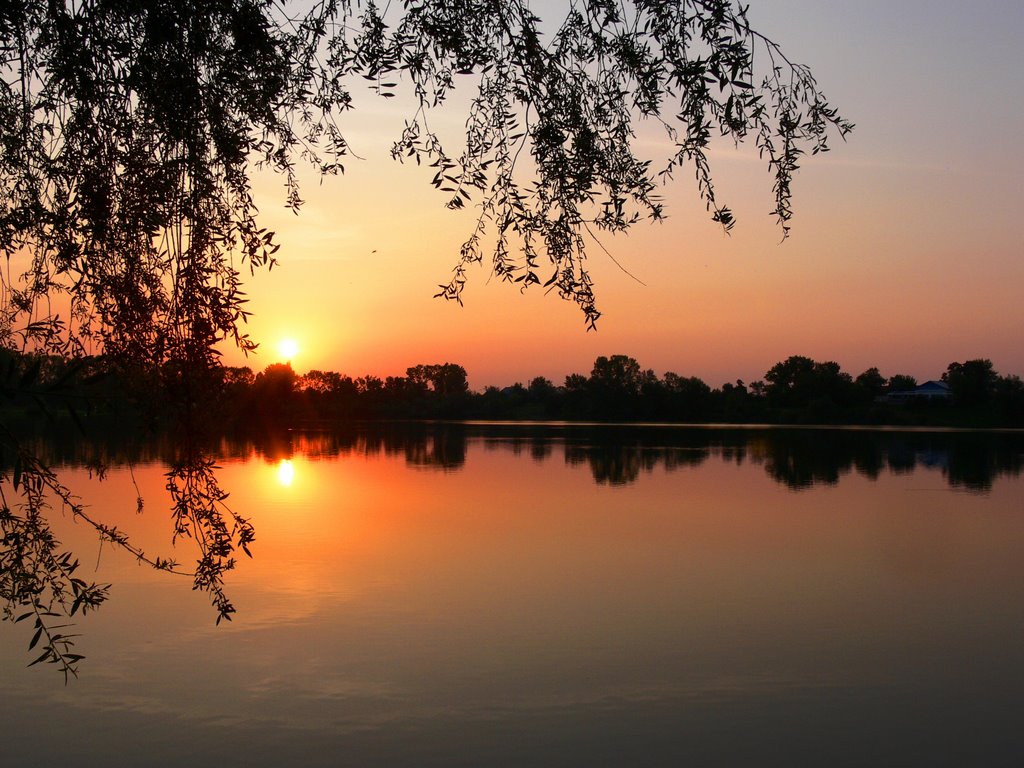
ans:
x=972 y=382
x=800 y=381
x=129 y=133
x=902 y=382
x=869 y=385
x=130 y=130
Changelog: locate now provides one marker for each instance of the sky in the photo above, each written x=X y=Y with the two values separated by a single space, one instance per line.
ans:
x=906 y=250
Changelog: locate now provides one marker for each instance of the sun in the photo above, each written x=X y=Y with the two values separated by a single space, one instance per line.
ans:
x=288 y=348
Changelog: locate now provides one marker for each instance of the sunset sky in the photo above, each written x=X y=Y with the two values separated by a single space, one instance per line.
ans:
x=906 y=251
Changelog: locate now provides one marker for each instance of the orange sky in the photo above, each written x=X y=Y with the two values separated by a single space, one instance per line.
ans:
x=906 y=250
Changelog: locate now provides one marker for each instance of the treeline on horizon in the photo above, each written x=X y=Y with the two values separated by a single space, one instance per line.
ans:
x=798 y=390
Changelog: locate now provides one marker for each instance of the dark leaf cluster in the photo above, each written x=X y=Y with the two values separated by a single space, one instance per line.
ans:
x=129 y=133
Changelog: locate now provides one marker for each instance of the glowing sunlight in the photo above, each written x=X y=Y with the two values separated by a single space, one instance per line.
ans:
x=288 y=348
x=285 y=473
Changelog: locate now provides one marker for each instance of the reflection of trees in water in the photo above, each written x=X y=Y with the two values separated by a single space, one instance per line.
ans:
x=540 y=449
x=615 y=455
x=609 y=464
x=622 y=464
x=538 y=446
x=802 y=459
x=799 y=458
x=421 y=445
x=970 y=460
x=443 y=449
x=972 y=466
x=796 y=458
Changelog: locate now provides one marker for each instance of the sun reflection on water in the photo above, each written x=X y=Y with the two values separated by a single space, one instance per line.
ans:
x=286 y=473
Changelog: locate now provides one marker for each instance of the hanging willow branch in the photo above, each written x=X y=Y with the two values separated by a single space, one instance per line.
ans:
x=130 y=129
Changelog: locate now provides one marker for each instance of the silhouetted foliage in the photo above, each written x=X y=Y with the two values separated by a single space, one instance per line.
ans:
x=1008 y=398
x=797 y=390
x=129 y=133
x=796 y=458
x=799 y=382
x=869 y=386
x=902 y=383
x=972 y=383
x=272 y=393
x=688 y=397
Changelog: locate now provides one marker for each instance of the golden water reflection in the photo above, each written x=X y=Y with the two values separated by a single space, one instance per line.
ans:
x=285 y=472
x=567 y=601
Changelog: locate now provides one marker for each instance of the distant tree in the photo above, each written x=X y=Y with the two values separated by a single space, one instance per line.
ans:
x=575 y=382
x=321 y=382
x=833 y=383
x=613 y=388
x=545 y=397
x=758 y=389
x=328 y=394
x=687 y=386
x=739 y=388
x=689 y=397
x=870 y=385
x=236 y=393
x=240 y=376
x=541 y=387
x=273 y=391
x=650 y=384
x=399 y=389
x=799 y=381
x=369 y=385
x=902 y=383
x=416 y=381
x=1008 y=396
x=618 y=375
x=972 y=382
x=578 y=402
x=735 y=401
x=277 y=381
x=448 y=380
x=789 y=382
x=370 y=390
x=433 y=390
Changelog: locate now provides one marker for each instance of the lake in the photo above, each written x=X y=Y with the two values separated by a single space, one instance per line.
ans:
x=491 y=595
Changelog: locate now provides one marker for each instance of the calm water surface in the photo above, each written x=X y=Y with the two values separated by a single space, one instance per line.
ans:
x=487 y=595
